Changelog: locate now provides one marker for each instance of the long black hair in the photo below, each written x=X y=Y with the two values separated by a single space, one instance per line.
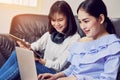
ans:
x=95 y=8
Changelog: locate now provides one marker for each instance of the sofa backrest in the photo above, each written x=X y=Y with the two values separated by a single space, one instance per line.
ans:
x=116 y=23
x=32 y=26
x=29 y=26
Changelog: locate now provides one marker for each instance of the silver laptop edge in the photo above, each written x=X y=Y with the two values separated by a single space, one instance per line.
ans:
x=26 y=64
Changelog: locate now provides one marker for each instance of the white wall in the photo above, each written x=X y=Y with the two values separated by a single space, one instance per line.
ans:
x=5 y=18
x=8 y=11
x=112 y=6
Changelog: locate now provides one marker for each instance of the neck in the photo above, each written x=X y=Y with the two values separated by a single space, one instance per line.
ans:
x=100 y=35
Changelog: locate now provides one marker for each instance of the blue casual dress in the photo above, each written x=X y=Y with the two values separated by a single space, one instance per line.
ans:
x=95 y=60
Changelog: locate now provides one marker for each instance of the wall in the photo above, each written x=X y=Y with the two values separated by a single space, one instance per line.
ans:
x=8 y=11
x=112 y=6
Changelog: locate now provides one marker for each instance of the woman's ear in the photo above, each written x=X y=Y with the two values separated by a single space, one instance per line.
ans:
x=101 y=18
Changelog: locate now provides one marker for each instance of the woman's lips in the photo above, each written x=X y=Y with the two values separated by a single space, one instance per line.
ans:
x=58 y=27
x=86 y=31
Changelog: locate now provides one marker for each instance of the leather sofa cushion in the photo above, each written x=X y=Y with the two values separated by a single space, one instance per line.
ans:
x=6 y=47
x=29 y=26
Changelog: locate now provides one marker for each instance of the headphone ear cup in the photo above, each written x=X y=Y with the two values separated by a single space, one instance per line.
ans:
x=57 y=37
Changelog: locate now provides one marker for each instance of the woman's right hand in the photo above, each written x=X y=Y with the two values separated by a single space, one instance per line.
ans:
x=46 y=76
x=27 y=45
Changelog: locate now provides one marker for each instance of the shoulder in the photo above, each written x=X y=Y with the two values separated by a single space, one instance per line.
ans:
x=46 y=34
x=44 y=37
x=75 y=37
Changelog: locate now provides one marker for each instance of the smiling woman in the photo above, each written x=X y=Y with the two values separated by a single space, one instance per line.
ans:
x=31 y=3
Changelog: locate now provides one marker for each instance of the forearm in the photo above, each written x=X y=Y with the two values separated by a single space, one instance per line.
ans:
x=42 y=61
x=62 y=76
x=68 y=78
x=59 y=75
x=40 y=44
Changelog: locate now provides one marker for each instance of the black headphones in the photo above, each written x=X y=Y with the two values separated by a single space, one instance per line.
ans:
x=57 y=37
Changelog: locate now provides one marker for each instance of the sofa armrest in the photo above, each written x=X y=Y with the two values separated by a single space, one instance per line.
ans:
x=2 y=59
x=7 y=45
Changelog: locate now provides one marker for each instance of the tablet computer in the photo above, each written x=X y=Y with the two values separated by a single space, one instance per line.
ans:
x=26 y=45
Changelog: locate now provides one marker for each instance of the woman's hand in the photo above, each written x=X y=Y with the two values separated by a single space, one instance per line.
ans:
x=47 y=76
x=27 y=45
x=40 y=60
x=68 y=78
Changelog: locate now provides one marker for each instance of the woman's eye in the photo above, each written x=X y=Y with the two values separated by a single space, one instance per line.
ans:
x=60 y=20
x=86 y=21
x=52 y=20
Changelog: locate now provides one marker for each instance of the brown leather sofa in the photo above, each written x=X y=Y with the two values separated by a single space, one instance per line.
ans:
x=25 y=26
x=31 y=27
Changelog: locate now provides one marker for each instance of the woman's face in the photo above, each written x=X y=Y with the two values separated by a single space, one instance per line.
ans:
x=89 y=24
x=59 y=22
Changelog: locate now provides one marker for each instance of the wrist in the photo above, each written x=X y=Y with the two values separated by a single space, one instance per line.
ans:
x=56 y=76
x=42 y=61
x=59 y=75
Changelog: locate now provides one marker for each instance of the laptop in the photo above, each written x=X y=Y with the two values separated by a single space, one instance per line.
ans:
x=26 y=64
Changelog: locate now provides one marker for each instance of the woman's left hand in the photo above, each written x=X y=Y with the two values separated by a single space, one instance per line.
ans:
x=40 y=60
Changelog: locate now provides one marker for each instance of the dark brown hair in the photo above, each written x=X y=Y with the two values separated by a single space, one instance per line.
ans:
x=63 y=7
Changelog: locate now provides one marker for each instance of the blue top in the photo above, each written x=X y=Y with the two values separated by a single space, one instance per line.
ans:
x=95 y=60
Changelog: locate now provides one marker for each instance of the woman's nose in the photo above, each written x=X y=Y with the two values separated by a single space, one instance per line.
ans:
x=57 y=23
x=83 y=26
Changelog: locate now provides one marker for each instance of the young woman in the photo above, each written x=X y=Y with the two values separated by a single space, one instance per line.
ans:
x=96 y=56
x=62 y=33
